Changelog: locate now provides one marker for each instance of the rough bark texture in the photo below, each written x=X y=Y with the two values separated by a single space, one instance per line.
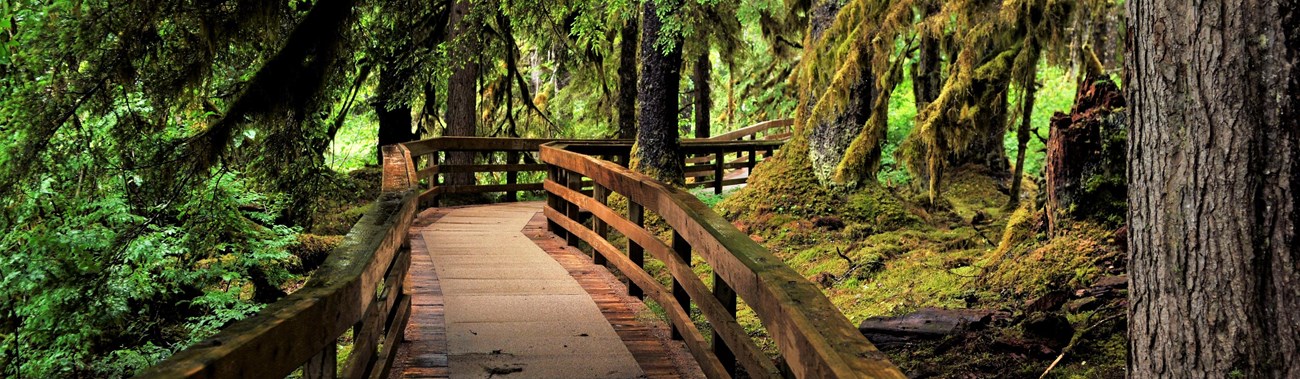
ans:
x=1086 y=168
x=829 y=139
x=1214 y=269
x=462 y=88
x=627 y=79
x=657 y=151
x=394 y=115
x=703 y=98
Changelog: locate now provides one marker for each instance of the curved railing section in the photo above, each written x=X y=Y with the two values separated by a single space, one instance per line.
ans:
x=814 y=338
x=357 y=289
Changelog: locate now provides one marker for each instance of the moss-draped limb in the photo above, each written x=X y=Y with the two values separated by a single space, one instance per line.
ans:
x=289 y=81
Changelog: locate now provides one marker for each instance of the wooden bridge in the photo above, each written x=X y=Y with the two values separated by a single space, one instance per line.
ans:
x=505 y=290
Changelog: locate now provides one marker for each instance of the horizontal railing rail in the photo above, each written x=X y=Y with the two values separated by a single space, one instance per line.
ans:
x=357 y=289
x=769 y=130
x=815 y=340
x=504 y=155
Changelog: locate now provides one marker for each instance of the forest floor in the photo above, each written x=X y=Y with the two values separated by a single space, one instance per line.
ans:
x=967 y=288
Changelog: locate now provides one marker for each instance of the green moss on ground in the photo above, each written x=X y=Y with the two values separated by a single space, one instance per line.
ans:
x=878 y=251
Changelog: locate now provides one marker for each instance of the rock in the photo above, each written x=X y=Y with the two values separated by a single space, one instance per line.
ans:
x=1082 y=305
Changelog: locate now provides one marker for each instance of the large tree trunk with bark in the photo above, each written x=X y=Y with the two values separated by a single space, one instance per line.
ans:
x=627 y=79
x=703 y=98
x=1214 y=268
x=831 y=134
x=462 y=87
x=657 y=151
x=394 y=115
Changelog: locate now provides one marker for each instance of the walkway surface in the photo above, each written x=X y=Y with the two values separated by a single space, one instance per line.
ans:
x=488 y=302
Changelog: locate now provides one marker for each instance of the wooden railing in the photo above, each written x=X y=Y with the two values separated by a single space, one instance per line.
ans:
x=511 y=156
x=357 y=289
x=815 y=340
x=705 y=167
x=768 y=130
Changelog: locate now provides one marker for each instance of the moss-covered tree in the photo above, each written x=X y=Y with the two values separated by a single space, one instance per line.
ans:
x=657 y=151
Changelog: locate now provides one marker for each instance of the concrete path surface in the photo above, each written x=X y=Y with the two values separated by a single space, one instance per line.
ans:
x=511 y=310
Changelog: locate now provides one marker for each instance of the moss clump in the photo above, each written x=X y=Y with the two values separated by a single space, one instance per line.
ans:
x=878 y=209
x=312 y=249
x=1026 y=268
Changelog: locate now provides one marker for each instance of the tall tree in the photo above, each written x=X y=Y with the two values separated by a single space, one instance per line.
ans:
x=462 y=85
x=703 y=97
x=657 y=151
x=1214 y=167
x=394 y=115
x=627 y=78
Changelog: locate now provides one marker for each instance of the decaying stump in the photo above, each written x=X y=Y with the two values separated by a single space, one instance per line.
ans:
x=1086 y=167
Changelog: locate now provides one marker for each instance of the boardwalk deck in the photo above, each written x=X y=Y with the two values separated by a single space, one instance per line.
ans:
x=489 y=301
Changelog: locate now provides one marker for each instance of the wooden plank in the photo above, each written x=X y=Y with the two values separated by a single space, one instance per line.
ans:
x=678 y=318
x=640 y=335
x=752 y=130
x=601 y=195
x=717 y=173
x=574 y=182
x=727 y=297
x=396 y=328
x=485 y=188
x=512 y=177
x=299 y=326
x=814 y=337
x=635 y=253
x=682 y=250
x=365 y=340
x=477 y=168
x=722 y=320
x=323 y=365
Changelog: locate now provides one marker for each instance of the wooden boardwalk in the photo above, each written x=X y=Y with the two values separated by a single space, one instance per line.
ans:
x=489 y=301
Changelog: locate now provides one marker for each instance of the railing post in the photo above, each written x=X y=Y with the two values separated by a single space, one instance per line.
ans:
x=435 y=159
x=683 y=250
x=749 y=165
x=323 y=365
x=512 y=177
x=602 y=196
x=727 y=296
x=635 y=253
x=719 y=157
x=554 y=174
x=574 y=182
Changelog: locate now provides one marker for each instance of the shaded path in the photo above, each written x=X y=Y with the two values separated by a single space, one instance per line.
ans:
x=489 y=302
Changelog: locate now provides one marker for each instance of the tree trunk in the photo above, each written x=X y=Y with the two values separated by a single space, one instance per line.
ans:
x=927 y=75
x=702 y=97
x=832 y=133
x=986 y=150
x=394 y=115
x=627 y=79
x=462 y=89
x=1022 y=141
x=658 y=151
x=1214 y=270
